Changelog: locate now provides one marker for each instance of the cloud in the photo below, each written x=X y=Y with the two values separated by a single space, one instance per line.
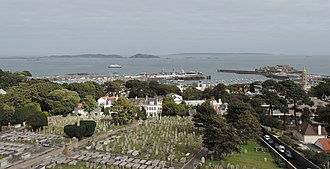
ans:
x=155 y=25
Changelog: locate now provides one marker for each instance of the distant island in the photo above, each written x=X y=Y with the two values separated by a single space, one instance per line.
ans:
x=144 y=56
x=87 y=56
x=210 y=53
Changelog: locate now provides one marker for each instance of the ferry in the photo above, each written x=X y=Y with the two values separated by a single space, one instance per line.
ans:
x=114 y=66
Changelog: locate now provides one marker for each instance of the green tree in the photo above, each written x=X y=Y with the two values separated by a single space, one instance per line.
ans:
x=168 y=107
x=6 y=114
x=321 y=90
x=37 y=120
x=320 y=159
x=89 y=103
x=248 y=126
x=220 y=137
x=126 y=111
x=87 y=88
x=323 y=114
x=142 y=114
x=203 y=113
x=62 y=101
x=296 y=94
x=19 y=95
x=236 y=109
x=114 y=86
x=191 y=93
x=40 y=88
x=22 y=114
x=139 y=89
x=165 y=89
x=8 y=79
x=219 y=91
x=181 y=110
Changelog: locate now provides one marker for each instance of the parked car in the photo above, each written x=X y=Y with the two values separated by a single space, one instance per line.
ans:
x=281 y=148
x=270 y=141
x=266 y=137
x=288 y=154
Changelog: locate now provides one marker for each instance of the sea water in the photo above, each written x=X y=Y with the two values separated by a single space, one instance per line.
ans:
x=206 y=63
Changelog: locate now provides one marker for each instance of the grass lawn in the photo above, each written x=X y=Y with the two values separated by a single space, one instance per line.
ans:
x=249 y=158
x=78 y=166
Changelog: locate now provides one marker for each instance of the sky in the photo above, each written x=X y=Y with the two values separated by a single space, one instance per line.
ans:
x=126 y=27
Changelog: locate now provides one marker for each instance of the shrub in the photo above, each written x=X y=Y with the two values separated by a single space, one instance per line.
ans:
x=86 y=129
x=73 y=131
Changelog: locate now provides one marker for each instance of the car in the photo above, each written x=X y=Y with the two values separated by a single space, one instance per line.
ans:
x=288 y=154
x=266 y=137
x=270 y=141
x=276 y=145
x=281 y=148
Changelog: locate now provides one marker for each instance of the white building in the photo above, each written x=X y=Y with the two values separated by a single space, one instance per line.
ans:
x=194 y=102
x=80 y=111
x=177 y=98
x=307 y=133
x=106 y=101
x=219 y=107
x=153 y=107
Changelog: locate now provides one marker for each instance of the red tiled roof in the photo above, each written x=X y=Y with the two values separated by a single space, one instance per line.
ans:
x=307 y=129
x=325 y=142
x=80 y=106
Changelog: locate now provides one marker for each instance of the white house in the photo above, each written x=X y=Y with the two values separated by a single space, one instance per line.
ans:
x=106 y=101
x=153 y=107
x=194 y=102
x=219 y=107
x=307 y=133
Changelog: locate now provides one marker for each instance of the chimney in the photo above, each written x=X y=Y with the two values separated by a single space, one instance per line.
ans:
x=319 y=127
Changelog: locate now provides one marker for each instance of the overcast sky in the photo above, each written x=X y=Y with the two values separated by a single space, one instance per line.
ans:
x=47 y=27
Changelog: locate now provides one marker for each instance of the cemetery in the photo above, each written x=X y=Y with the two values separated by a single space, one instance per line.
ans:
x=171 y=139
x=86 y=159
x=166 y=143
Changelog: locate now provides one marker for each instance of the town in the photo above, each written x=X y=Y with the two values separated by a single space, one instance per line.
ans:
x=147 y=124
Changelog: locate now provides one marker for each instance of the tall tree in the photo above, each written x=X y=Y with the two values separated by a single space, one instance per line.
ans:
x=37 y=120
x=191 y=93
x=220 y=137
x=323 y=114
x=203 y=113
x=89 y=103
x=236 y=109
x=126 y=111
x=295 y=94
x=219 y=91
x=22 y=114
x=6 y=114
x=248 y=126
x=113 y=86
x=62 y=101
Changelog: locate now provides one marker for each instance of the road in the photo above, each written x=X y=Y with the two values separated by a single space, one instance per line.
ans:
x=293 y=161
x=196 y=159
x=39 y=158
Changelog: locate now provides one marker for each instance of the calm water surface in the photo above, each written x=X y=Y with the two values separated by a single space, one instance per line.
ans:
x=206 y=63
